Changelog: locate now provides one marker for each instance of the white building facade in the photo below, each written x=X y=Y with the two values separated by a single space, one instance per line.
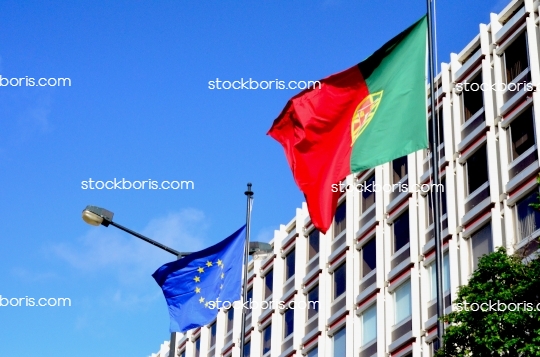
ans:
x=373 y=271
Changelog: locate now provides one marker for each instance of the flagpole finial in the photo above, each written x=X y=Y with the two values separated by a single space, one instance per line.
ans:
x=249 y=193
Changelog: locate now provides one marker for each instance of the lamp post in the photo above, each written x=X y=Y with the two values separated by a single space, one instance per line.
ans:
x=96 y=216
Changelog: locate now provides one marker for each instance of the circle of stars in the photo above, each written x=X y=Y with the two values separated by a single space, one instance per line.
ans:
x=200 y=271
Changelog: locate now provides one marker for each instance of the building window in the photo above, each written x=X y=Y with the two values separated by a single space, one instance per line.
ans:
x=368 y=325
x=268 y=284
x=528 y=218
x=441 y=191
x=473 y=100
x=402 y=302
x=433 y=277
x=340 y=222
x=429 y=213
x=197 y=347
x=340 y=280
x=267 y=339
x=481 y=243
x=313 y=302
x=401 y=231
x=440 y=132
x=289 y=264
x=477 y=170
x=230 y=320
x=368 y=257
x=522 y=133
x=446 y=273
x=247 y=349
x=339 y=343
x=183 y=353
x=516 y=58
x=313 y=353
x=212 y=340
x=288 y=322
x=399 y=169
x=249 y=297
x=444 y=208
x=313 y=248
x=367 y=199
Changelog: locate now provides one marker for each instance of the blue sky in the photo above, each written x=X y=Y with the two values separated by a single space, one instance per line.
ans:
x=139 y=108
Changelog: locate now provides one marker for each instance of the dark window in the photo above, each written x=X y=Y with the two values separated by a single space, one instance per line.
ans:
x=267 y=339
x=477 y=169
x=289 y=264
x=249 y=297
x=197 y=347
x=444 y=208
x=340 y=222
x=522 y=133
x=442 y=199
x=247 y=349
x=314 y=352
x=369 y=257
x=340 y=280
x=440 y=135
x=401 y=231
x=516 y=57
x=268 y=284
x=399 y=169
x=213 y=335
x=473 y=99
x=481 y=244
x=528 y=218
x=230 y=320
x=314 y=236
x=288 y=322
x=429 y=198
x=313 y=302
x=367 y=198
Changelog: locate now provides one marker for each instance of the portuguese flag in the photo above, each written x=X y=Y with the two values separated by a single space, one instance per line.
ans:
x=357 y=119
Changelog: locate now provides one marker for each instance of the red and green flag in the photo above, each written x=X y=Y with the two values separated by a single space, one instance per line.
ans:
x=357 y=119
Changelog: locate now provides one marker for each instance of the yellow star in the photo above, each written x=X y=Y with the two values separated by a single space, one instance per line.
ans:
x=200 y=270
x=209 y=264
x=201 y=300
x=197 y=279
x=197 y=290
x=222 y=275
x=206 y=304
x=219 y=262
x=221 y=286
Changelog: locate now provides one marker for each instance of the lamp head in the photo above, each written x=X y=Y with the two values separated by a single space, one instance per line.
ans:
x=95 y=216
x=259 y=248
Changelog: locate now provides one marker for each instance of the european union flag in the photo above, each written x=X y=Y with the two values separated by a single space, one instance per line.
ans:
x=196 y=286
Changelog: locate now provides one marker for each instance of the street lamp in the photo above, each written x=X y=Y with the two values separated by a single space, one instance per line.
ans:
x=96 y=216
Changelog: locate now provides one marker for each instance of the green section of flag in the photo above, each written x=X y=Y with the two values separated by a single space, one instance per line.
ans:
x=398 y=126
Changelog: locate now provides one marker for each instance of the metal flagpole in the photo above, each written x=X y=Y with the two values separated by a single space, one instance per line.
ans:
x=435 y=175
x=249 y=195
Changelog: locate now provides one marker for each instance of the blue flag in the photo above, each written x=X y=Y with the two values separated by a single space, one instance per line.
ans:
x=198 y=285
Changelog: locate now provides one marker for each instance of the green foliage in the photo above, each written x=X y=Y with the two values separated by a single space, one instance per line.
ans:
x=536 y=205
x=504 y=279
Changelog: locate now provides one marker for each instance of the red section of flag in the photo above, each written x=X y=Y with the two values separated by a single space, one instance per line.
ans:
x=315 y=132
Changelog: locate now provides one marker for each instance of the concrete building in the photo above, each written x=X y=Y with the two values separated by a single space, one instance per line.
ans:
x=163 y=350
x=372 y=273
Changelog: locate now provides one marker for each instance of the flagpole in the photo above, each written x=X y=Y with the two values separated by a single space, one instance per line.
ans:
x=249 y=195
x=435 y=175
